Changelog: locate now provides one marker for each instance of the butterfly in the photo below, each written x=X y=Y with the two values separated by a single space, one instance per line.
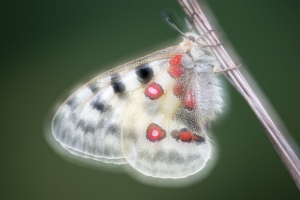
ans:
x=152 y=113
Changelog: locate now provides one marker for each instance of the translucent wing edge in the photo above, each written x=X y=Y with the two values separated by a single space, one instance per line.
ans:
x=86 y=155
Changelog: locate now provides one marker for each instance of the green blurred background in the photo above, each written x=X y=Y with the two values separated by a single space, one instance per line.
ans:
x=47 y=46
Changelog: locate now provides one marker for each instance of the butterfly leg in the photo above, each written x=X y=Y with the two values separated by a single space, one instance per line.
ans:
x=224 y=70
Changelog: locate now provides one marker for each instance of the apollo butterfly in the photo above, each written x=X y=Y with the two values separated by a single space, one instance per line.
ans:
x=152 y=113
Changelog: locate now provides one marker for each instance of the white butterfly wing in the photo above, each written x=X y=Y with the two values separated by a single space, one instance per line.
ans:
x=162 y=136
x=90 y=122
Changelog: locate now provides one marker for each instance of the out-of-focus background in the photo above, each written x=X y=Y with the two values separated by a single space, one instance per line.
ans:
x=48 y=46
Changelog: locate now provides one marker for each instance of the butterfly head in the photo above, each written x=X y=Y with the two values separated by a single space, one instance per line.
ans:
x=196 y=54
x=189 y=39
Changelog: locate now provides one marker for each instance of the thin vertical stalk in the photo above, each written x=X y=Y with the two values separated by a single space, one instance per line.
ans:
x=282 y=147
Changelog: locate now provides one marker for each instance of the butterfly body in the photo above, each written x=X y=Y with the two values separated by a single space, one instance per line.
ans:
x=152 y=113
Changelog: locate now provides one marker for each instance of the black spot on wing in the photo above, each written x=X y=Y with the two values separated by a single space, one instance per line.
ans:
x=144 y=73
x=72 y=102
x=199 y=139
x=94 y=88
x=175 y=135
x=81 y=124
x=90 y=128
x=118 y=87
x=113 y=129
x=99 y=105
x=114 y=77
x=86 y=127
x=117 y=84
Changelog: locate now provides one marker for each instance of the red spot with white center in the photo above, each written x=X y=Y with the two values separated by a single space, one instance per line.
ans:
x=155 y=132
x=154 y=91
x=176 y=60
x=189 y=101
x=178 y=90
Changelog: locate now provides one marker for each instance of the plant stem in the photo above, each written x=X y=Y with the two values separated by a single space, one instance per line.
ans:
x=284 y=150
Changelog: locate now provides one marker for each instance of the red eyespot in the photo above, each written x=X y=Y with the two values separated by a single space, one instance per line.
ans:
x=154 y=91
x=186 y=136
x=176 y=60
x=175 y=71
x=189 y=101
x=155 y=132
x=178 y=89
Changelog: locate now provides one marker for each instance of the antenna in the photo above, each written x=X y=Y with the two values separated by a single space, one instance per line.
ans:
x=172 y=23
x=175 y=27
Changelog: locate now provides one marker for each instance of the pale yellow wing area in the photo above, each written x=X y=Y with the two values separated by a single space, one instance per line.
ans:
x=162 y=136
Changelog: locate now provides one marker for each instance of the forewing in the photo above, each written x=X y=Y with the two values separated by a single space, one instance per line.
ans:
x=166 y=137
x=90 y=122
